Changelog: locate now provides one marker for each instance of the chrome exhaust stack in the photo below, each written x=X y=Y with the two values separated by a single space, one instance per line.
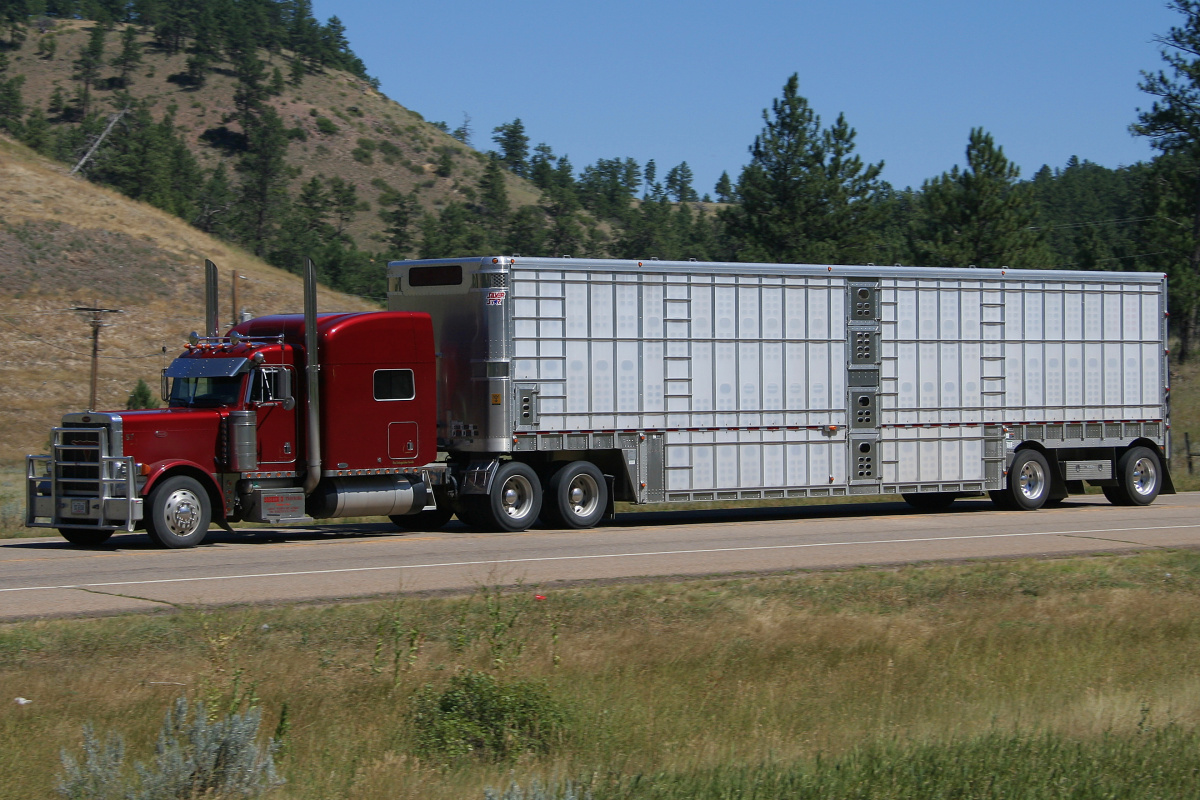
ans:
x=212 y=315
x=312 y=371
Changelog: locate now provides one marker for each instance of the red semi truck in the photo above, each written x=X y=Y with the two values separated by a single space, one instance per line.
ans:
x=507 y=390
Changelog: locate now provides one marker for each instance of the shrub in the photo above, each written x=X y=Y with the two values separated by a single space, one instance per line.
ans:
x=193 y=758
x=326 y=126
x=477 y=715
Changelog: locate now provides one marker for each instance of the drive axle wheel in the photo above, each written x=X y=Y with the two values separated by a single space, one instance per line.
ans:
x=433 y=520
x=178 y=513
x=84 y=537
x=1028 y=486
x=576 y=496
x=515 y=499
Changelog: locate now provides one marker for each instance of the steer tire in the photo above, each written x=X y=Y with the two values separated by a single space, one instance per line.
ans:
x=85 y=537
x=178 y=513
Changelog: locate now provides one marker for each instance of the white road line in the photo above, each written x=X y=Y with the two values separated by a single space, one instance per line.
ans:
x=585 y=558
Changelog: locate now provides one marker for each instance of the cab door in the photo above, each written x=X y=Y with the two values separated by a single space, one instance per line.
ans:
x=270 y=395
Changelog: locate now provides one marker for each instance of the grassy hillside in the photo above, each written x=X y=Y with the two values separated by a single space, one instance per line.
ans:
x=65 y=242
x=343 y=127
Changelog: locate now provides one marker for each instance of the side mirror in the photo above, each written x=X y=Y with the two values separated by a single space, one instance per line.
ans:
x=164 y=386
x=283 y=388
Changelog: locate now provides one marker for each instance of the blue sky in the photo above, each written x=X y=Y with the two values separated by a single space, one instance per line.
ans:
x=688 y=81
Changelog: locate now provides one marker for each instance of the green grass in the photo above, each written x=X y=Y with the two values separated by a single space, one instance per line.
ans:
x=1001 y=679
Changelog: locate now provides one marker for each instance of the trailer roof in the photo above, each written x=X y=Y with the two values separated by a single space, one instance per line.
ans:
x=568 y=264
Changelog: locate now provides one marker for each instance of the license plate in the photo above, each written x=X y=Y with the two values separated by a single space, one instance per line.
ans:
x=79 y=508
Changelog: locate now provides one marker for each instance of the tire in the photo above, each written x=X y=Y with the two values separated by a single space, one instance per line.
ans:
x=515 y=500
x=471 y=511
x=930 y=501
x=576 y=496
x=179 y=513
x=1114 y=495
x=1028 y=486
x=85 y=537
x=1139 y=477
x=433 y=520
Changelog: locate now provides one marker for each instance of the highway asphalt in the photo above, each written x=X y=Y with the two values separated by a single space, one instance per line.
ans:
x=48 y=577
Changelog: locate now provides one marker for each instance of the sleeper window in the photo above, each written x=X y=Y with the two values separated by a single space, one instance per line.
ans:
x=394 y=384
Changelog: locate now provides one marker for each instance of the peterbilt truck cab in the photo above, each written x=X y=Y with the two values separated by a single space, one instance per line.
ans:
x=255 y=430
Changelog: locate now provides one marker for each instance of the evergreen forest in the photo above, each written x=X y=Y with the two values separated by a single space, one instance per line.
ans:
x=803 y=196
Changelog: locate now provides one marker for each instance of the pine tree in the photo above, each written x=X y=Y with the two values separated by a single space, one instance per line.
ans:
x=649 y=175
x=130 y=55
x=979 y=215
x=262 y=196
x=514 y=146
x=12 y=107
x=804 y=195
x=399 y=212
x=1172 y=123
x=679 y=184
x=493 y=200
x=141 y=397
x=88 y=65
x=214 y=201
x=724 y=189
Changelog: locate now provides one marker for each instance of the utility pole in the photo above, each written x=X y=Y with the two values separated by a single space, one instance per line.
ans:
x=97 y=320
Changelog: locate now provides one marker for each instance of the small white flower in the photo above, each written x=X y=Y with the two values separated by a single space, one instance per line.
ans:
x=21 y=701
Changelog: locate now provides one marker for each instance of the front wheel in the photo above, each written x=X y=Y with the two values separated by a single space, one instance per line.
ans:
x=1028 y=486
x=179 y=513
x=85 y=537
x=576 y=496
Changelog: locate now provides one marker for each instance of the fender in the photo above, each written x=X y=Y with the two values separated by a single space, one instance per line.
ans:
x=161 y=469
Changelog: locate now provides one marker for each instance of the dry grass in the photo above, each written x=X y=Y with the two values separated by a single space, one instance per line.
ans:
x=657 y=677
x=66 y=243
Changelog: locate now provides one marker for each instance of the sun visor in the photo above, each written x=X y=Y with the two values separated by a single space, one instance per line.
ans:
x=206 y=367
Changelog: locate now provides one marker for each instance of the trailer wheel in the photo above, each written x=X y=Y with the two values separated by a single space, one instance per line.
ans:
x=85 y=537
x=1028 y=486
x=929 y=501
x=179 y=513
x=515 y=500
x=1139 y=478
x=576 y=496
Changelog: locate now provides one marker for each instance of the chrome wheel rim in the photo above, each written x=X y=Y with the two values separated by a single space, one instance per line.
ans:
x=1145 y=476
x=582 y=495
x=1032 y=480
x=516 y=497
x=182 y=512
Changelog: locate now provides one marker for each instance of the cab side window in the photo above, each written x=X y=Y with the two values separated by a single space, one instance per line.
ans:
x=394 y=384
x=268 y=385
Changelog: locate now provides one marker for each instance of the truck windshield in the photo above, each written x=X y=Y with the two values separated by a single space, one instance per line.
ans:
x=206 y=392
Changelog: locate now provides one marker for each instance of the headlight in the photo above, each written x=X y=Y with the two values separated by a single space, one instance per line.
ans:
x=121 y=470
